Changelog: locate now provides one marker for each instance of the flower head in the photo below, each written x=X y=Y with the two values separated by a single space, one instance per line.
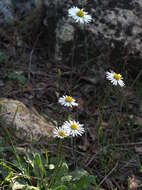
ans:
x=79 y=15
x=67 y=101
x=61 y=132
x=74 y=127
x=115 y=78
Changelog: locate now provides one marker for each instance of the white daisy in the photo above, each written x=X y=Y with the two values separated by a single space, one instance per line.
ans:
x=115 y=78
x=74 y=126
x=67 y=101
x=79 y=15
x=61 y=132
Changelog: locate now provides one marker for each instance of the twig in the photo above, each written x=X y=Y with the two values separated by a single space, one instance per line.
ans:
x=31 y=54
x=137 y=77
x=109 y=174
x=126 y=144
x=30 y=64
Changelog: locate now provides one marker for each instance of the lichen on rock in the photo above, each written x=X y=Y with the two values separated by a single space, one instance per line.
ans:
x=116 y=29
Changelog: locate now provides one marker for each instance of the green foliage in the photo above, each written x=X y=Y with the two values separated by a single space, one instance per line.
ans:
x=18 y=77
x=35 y=174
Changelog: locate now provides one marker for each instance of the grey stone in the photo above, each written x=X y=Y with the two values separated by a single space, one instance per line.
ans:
x=114 y=22
x=7 y=12
x=116 y=25
x=14 y=9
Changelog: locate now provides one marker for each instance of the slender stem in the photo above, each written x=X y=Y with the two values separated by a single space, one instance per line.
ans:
x=59 y=91
x=119 y=97
x=59 y=152
x=73 y=151
x=59 y=81
x=58 y=161
x=86 y=46
x=72 y=65
x=137 y=77
x=68 y=114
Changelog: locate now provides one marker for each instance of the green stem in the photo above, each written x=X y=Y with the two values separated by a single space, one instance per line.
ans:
x=68 y=115
x=73 y=151
x=58 y=161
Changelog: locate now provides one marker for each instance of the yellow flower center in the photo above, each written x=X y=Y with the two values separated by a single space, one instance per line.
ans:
x=116 y=76
x=80 y=13
x=62 y=133
x=68 y=99
x=74 y=127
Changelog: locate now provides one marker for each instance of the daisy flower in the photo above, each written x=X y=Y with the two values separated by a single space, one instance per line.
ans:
x=61 y=132
x=74 y=127
x=67 y=101
x=79 y=15
x=115 y=78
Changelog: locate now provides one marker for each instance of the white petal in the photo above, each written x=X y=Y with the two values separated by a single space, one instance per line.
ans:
x=121 y=83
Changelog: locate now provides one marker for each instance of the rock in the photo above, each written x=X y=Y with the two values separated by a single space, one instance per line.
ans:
x=112 y=19
x=119 y=21
x=115 y=32
x=22 y=122
x=7 y=12
x=64 y=35
x=11 y=10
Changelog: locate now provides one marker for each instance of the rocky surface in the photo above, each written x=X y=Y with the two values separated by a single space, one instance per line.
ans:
x=11 y=10
x=119 y=20
x=114 y=33
x=112 y=19
x=24 y=123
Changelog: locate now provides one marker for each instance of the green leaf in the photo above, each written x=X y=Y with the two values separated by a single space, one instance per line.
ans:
x=2 y=149
x=17 y=186
x=85 y=182
x=62 y=171
x=66 y=178
x=19 y=77
x=46 y=156
x=7 y=177
x=82 y=183
x=77 y=174
x=39 y=164
x=61 y=187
